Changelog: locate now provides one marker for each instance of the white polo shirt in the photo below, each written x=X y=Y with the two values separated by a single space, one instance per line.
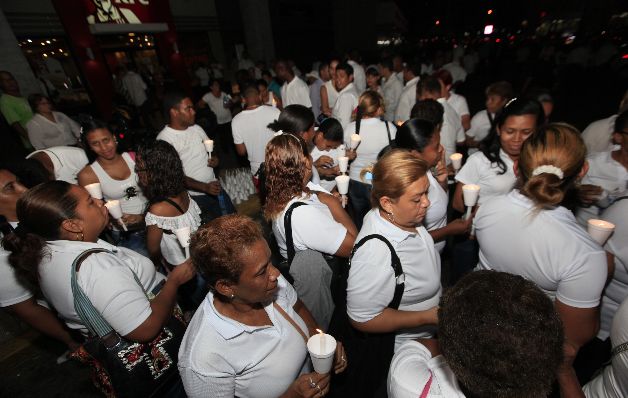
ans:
x=371 y=282
x=313 y=226
x=373 y=138
x=359 y=76
x=67 y=162
x=459 y=103
x=217 y=105
x=451 y=132
x=597 y=135
x=406 y=100
x=249 y=127
x=479 y=170
x=392 y=92
x=605 y=172
x=221 y=357
x=11 y=290
x=107 y=279
x=617 y=290
x=345 y=104
x=436 y=216
x=189 y=145
x=296 y=92
x=410 y=371
x=548 y=248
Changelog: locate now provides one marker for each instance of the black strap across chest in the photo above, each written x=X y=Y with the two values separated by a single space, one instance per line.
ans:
x=287 y=225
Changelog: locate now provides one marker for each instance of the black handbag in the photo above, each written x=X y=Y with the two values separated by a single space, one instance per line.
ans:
x=125 y=368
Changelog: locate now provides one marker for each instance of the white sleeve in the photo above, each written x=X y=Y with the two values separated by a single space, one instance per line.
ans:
x=217 y=381
x=316 y=230
x=581 y=284
x=113 y=291
x=205 y=98
x=371 y=283
x=11 y=291
x=464 y=107
x=409 y=370
x=236 y=132
x=470 y=173
x=476 y=124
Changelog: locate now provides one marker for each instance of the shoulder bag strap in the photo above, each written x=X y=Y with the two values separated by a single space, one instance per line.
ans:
x=174 y=204
x=400 y=277
x=426 y=389
x=287 y=225
x=388 y=132
x=289 y=319
x=491 y=120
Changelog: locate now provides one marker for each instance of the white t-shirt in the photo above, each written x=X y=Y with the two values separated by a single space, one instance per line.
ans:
x=605 y=172
x=392 y=92
x=597 y=135
x=459 y=103
x=451 y=132
x=220 y=357
x=135 y=86
x=346 y=102
x=249 y=127
x=548 y=248
x=67 y=162
x=313 y=226
x=411 y=368
x=11 y=290
x=359 y=76
x=332 y=93
x=217 y=105
x=479 y=170
x=406 y=100
x=617 y=290
x=107 y=280
x=189 y=145
x=612 y=382
x=131 y=198
x=43 y=133
x=371 y=282
x=328 y=185
x=480 y=128
x=373 y=138
x=296 y=92
x=436 y=216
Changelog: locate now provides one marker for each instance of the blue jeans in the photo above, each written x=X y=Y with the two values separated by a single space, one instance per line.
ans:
x=135 y=240
x=359 y=201
x=214 y=206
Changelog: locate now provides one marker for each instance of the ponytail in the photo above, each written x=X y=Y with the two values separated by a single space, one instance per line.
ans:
x=27 y=250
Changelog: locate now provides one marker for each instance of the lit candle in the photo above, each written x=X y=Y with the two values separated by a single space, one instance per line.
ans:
x=322 y=340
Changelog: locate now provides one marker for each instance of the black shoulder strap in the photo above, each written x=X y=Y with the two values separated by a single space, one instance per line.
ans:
x=388 y=132
x=287 y=225
x=491 y=120
x=400 y=277
x=175 y=205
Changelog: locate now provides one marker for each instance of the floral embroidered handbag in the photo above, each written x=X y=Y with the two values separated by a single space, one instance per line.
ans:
x=125 y=368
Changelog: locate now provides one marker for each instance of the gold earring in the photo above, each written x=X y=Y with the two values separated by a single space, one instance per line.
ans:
x=232 y=296
x=80 y=236
x=391 y=217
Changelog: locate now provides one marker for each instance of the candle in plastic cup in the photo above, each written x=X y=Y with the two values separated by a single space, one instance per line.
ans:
x=209 y=145
x=470 y=193
x=343 y=163
x=322 y=352
x=116 y=211
x=355 y=140
x=600 y=230
x=94 y=190
x=343 y=184
x=456 y=160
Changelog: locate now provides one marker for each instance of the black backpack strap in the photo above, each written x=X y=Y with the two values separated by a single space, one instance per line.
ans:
x=388 y=132
x=287 y=225
x=175 y=205
x=400 y=277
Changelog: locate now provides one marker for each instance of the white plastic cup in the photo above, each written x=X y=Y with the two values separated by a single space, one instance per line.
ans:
x=183 y=236
x=322 y=348
x=470 y=193
x=116 y=211
x=94 y=190
x=355 y=140
x=343 y=184
x=209 y=145
x=600 y=230
x=456 y=160
x=343 y=163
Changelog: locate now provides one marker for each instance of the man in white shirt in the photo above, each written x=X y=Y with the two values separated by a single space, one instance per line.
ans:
x=408 y=95
x=452 y=133
x=398 y=67
x=597 y=135
x=135 y=86
x=392 y=88
x=218 y=102
x=187 y=138
x=294 y=90
x=348 y=96
x=249 y=127
x=359 y=76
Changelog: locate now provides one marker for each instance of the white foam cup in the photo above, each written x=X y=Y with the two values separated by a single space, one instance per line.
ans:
x=456 y=160
x=322 y=348
x=343 y=184
x=470 y=193
x=355 y=140
x=600 y=230
x=209 y=145
x=343 y=163
x=94 y=190
x=183 y=235
x=116 y=211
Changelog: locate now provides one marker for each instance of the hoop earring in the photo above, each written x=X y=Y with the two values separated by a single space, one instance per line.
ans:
x=80 y=236
x=391 y=217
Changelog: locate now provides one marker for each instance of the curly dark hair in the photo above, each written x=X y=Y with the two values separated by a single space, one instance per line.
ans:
x=217 y=247
x=286 y=163
x=163 y=170
x=500 y=335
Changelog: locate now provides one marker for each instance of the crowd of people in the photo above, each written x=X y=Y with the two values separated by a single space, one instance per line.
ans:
x=197 y=300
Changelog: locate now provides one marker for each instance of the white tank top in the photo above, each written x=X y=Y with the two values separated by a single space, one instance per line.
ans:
x=126 y=191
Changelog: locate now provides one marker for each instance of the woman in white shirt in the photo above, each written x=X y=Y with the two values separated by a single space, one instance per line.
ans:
x=375 y=134
x=483 y=349
x=248 y=338
x=492 y=167
x=116 y=174
x=530 y=233
x=48 y=128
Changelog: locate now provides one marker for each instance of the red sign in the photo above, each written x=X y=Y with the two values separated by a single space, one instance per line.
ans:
x=119 y=11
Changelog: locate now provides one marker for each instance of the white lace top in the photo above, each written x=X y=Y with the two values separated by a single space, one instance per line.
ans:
x=172 y=251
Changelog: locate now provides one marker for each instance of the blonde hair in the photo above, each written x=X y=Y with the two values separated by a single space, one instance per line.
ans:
x=558 y=145
x=368 y=104
x=393 y=174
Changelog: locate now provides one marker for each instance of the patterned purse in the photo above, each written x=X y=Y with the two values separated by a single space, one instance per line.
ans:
x=123 y=368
